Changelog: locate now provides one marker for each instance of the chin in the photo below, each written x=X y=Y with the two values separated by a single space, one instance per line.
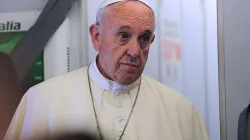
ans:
x=129 y=79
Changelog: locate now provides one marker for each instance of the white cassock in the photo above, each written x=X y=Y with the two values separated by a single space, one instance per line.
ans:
x=64 y=104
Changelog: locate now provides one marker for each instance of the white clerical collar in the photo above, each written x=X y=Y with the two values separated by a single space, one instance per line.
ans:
x=100 y=80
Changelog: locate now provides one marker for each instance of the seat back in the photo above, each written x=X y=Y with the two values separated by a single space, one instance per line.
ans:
x=10 y=92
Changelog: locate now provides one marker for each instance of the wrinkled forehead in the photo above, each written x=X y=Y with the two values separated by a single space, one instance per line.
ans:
x=136 y=19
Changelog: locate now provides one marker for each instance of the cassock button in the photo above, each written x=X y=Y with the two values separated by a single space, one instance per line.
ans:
x=119 y=106
x=120 y=119
x=118 y=93
x=118 y=103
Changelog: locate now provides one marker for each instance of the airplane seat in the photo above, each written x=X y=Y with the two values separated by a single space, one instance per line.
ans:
x=10 y=92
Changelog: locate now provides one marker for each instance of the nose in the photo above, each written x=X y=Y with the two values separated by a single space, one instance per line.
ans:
x=133 y=49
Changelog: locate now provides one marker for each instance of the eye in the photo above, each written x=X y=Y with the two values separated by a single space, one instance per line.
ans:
x=145 y=39
x=123 y=37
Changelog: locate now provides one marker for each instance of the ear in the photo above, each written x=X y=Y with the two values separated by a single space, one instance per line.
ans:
x=95 y=36
x=153 y=38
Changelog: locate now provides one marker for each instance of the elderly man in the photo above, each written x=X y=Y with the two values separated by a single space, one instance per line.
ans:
x=111 y=98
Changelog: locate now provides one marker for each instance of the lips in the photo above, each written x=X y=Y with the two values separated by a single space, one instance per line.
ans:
x=130 y=64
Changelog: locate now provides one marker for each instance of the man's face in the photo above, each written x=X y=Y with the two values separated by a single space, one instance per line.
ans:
x=123 y=41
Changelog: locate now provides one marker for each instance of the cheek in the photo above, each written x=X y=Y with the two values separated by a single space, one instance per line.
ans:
x=144 y=55
x=119 y=53
x=112 y=56
x=109 y=62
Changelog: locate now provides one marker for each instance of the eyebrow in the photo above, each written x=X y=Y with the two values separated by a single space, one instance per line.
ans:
x=124 y=27
x=148 y=32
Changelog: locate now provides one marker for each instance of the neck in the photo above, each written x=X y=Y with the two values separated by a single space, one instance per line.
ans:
x=98 y=78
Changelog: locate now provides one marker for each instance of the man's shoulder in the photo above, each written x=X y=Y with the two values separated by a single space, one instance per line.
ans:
x=65 y=78
x=61 y=83
x=165 y=92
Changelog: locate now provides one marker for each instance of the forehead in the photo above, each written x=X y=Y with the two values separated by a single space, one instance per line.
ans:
x=133 y=14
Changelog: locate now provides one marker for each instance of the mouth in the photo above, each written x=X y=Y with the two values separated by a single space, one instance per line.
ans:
x=130 y=64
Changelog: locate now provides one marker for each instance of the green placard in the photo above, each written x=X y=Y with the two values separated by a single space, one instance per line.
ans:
x=35 y=75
